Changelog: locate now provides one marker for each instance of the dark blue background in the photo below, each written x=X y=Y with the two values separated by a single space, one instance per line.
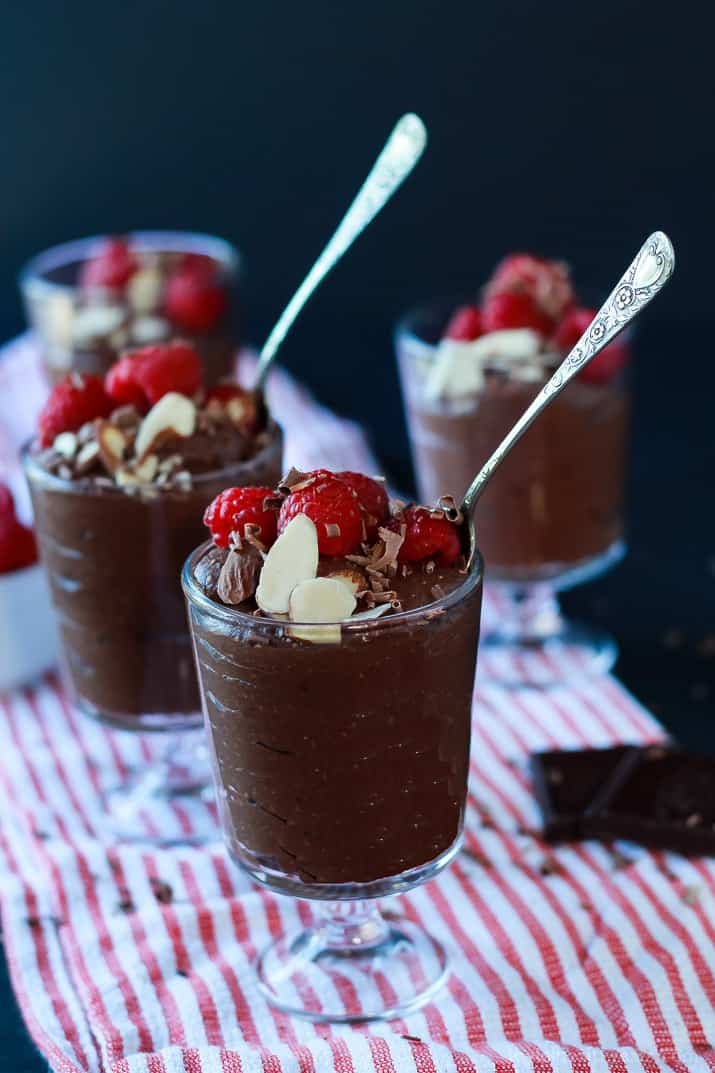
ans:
x=566 y=128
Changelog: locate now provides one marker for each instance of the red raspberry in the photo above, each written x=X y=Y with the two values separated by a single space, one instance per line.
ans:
x=427 y=537
x=235 y=508
x=194 y=299
x=328 y=502
x=547 y=283
x=465 y=324
x=608 y=363
x=76 y=399
x=17 y=543
x=372 y=497
x=112 y=267
x=238 y=403
x=167 y=367
x=514 y=310
x=121 y=386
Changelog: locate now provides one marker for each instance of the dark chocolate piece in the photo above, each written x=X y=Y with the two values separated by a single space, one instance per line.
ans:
x=665 y=800
x=566 y=783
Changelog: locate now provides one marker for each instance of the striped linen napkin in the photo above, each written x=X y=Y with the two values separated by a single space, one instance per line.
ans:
x=131 y=960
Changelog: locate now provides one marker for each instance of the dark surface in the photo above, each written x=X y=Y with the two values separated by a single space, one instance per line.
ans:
x=567 y=129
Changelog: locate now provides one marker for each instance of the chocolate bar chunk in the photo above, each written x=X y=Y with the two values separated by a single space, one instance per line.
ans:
x=566 y=783
x=665 y=800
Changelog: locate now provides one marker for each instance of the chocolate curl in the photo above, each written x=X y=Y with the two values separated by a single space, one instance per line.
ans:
x=293 y=481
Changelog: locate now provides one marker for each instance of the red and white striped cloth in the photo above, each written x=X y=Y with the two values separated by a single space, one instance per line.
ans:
x=139 y=961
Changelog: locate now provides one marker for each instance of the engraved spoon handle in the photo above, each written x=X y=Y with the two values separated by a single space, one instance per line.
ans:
x=400 y=154
x=644 y=278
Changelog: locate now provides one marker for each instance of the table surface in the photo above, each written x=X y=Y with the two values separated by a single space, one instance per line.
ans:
x=658 y=602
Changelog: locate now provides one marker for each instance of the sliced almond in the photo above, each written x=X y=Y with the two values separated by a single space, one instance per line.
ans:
x=173 y=415
x=88 y=454
x=144 y=290
x=95 y=322
x=150 y=330
x=372 y=612
x=147 y=469
x=353 y=578
x=112 y=444
x=320 y=600
x=292 y=559
x=66 y=444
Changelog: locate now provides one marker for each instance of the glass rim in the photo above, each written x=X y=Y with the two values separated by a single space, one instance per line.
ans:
x=32 y=469
x=33 y=272
x=196 y=597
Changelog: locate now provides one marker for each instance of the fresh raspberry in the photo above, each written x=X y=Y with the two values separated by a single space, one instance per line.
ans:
x=427 y=537
x=514 y=310
x=112 y=267
x=194 y=299
x=328 y=502
x=547 y=283
x=235 y=508
x=167 y=367
x=465 y=324
x=17 y=542
x=76 y=399
x=121 y=386
x=237 y=402
x=372 y=497
x=608 y=363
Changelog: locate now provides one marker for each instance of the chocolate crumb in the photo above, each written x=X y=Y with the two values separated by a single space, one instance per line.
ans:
x=550 y=867
x=162 y=891
x=691 y=894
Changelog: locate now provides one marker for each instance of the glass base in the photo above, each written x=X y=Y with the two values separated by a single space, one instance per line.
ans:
x=169 y=800
x=530 y=644
x=352 y=965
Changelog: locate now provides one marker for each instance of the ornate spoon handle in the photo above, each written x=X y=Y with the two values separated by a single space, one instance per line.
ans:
x=397 y=159
x=645 y=277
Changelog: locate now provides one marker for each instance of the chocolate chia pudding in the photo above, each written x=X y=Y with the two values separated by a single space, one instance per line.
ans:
x=118 y=503
x=557 y=501
x=90 y=300
x=340 y=726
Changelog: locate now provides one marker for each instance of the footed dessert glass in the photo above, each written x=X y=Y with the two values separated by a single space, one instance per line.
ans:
x=341 y=768
x=552 y=517
x=113 y=562
x=87 y=330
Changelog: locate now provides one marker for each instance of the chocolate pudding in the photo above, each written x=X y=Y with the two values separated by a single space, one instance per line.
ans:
x=557 y=500
x=113 y=530
x=556 y=503
x=90 y=300
x=341 y=748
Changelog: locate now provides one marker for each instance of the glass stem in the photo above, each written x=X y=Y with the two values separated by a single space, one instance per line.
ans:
x=529 y=613
x=351 y=925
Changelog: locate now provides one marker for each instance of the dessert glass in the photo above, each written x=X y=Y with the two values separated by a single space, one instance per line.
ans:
x=341 y=777
x=113 y=562
x=57 y=311
x=551 y=518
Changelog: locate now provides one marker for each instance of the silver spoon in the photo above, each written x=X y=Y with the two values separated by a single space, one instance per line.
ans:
x=643 y=279
x=401 y=152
